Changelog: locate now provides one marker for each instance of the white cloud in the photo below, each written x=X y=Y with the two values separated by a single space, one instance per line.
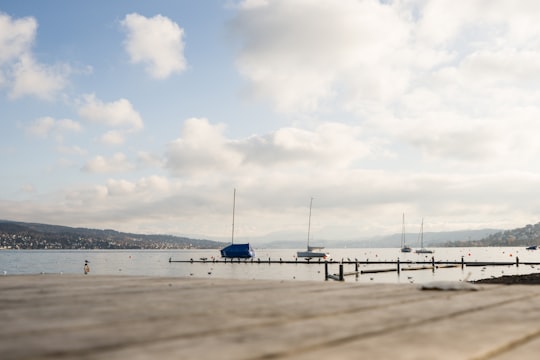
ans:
x=149 y=159
x=31 y=78
x=332 y=145
x=117 y=163
x=120 y=187
x=118 y=113
x=113 y=137
x=350 y=204
x=16 y=37
x=151 y=188
x=157 y=42
x=479 y=24
x=45 y=126
x=424 y=107
x=156 y=183
x=72 y=150
x=358 y=47
x=18 y=67
x=28 y=188
x=203 y=148
x=459 y=81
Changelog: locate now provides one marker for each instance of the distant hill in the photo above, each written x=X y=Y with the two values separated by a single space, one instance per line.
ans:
x=525 y=236
x=21 y=235
x=431 y=239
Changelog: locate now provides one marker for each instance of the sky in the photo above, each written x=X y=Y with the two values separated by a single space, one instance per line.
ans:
x=144 y=116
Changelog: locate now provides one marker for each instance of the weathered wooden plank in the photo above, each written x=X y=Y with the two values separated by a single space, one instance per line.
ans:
x=104 y=317
x=480 y=332
x=527 y=348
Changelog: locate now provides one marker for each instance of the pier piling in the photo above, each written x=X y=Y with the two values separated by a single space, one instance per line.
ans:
x=325 y=271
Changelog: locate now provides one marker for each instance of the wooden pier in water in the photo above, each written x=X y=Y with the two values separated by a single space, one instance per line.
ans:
x=91 y=317
x=397 y=265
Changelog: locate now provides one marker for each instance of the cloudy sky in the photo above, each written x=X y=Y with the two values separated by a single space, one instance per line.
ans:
x=143 y=116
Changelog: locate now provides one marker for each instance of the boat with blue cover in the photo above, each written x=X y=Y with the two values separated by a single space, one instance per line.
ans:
x=244 y=251
x=238 y=251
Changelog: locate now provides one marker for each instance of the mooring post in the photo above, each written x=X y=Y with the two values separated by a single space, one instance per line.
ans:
x=462 y=262
x=356 y=266
x=341 y=277
x=398 y=269
x=517 y=261
x=325 y=271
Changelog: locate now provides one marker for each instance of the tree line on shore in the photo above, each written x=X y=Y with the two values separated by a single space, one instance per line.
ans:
x=19 y=235
x=528 y=235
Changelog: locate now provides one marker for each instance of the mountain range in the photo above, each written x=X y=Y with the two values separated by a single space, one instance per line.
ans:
x=23 y=235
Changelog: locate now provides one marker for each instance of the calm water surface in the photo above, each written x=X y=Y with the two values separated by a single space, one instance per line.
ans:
x=156 y=263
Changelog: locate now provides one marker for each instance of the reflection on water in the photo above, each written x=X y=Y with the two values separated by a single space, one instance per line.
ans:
x=156 y=263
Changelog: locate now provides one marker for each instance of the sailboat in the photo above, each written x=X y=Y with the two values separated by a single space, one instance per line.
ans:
x=422 y=249
x=404 y=247
x=237 y=250
x=311 y=251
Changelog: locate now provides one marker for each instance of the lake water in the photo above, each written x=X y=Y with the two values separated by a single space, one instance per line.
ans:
x=156 y=263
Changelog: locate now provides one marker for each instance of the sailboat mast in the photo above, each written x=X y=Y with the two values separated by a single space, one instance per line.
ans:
x=422 y=234
x=403 y=231
x=309 y=222
x=233 y=209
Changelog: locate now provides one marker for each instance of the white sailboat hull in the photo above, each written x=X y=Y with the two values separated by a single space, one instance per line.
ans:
x=311 y=250
x=311 y=254
x=424 y=251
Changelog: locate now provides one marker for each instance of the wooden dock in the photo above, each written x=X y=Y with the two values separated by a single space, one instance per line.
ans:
x=133 y=317
x=399 y=265
x=320 y=261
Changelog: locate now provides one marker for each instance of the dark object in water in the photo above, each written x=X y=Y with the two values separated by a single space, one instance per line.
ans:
x=238 y=251
x=527 y=279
